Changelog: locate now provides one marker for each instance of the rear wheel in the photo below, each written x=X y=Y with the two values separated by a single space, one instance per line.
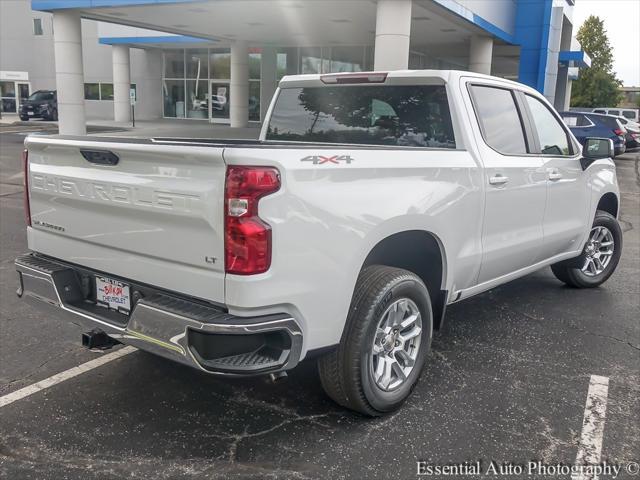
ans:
x=385 y=343
x=599 y=258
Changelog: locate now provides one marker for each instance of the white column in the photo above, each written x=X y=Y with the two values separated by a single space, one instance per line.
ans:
x=239 y=107
x=149 y=103
x=67 y=46
x=121 y=83
x=480 y=53
x=393 y=34
x=268 y=78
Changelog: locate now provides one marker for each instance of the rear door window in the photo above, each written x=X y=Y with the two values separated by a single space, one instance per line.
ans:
x=499 y=119
x=397 y=115
x=629 y=114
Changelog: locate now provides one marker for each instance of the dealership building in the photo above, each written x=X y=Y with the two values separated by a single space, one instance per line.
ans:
x=220 y=60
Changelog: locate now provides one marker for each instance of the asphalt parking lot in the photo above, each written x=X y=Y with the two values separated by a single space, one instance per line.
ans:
x=507 y=381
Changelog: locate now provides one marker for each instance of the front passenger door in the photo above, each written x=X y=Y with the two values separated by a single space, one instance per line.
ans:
x=565 y=220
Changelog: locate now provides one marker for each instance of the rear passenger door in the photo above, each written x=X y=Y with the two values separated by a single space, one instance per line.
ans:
x=514 y=182
x=565 y=220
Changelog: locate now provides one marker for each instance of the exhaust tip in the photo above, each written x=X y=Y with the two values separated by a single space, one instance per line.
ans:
x=278 y=376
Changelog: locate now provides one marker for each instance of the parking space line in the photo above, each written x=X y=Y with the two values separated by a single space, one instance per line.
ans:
x=62 y=376
x=590 y=448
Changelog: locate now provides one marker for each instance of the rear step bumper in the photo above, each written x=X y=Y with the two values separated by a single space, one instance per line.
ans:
x=181 y=329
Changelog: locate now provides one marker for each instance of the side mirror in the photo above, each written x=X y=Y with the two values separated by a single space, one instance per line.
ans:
x=596 y=149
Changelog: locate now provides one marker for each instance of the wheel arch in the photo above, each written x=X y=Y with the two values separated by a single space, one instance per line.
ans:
x=422 y=253
x=609 y=203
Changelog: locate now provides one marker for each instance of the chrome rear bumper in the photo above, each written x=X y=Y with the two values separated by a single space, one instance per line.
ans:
x=174 y=327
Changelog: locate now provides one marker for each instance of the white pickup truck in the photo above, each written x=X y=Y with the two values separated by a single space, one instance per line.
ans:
x=370 y=202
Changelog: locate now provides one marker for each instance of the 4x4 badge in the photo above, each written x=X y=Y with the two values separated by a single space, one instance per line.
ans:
x=320 y=160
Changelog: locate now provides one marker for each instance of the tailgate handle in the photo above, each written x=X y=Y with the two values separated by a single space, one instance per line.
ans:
x=100 y=157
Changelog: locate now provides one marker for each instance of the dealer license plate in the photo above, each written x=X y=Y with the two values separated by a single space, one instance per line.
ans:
x=113 y=294
x=31 y=114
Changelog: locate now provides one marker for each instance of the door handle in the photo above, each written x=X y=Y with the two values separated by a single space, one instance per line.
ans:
x=553 y=175
x=498 y=179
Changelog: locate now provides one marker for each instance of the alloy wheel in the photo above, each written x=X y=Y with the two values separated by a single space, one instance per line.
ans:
x=598 y=251
x=396 y=344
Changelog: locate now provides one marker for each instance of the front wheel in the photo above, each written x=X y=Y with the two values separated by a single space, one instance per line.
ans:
x=385 y=343
x=599 y=258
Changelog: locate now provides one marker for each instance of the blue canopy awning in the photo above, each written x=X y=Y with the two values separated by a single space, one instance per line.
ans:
x=574 y=58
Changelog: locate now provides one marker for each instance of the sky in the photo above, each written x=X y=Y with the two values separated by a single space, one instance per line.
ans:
x=622 y=22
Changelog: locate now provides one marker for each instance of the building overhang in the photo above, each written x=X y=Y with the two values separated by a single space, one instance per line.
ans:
x=51 y=5
x=282 y=22
x=476 y=20
x=574 y=58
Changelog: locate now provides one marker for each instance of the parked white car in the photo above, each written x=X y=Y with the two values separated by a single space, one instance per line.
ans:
x=628 y=113
x=629 y=124
x=370 y=202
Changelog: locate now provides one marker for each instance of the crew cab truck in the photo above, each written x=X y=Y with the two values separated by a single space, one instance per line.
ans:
x=370 y=202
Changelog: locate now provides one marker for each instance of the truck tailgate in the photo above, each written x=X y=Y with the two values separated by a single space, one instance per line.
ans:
x=156 y=216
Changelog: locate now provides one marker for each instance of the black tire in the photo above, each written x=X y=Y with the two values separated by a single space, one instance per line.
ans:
x=570 y=271
x=24 y=119
x=345 y=373
x=54 y=115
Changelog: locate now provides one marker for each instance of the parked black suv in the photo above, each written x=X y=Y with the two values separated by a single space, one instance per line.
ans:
x=41 y=104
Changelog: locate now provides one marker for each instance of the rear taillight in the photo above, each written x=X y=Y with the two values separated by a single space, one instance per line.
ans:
x=25 y=171
x=247 y=248
x=619 y=132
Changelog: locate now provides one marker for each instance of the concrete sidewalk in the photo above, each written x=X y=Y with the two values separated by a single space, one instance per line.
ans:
x=177 y=128
x=143 y=129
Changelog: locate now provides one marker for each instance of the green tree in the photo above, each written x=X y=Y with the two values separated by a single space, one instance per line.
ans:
x=597 y=86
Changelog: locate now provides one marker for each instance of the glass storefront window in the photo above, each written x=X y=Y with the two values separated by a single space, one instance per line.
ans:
x=174 y=64
x=220 y=95
x=197 y=63
x=220 y=62
x=368 y=59
x=106 y=91
x=288 y=59
x=197 y=97
x=8 y=96
x=311 y=60
x=254 y=66
x=254 y=100
x=196 y=81
x=173 y=94
x=347 y=59
x=92 y=91
x=23 y=90
x=282 y=65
